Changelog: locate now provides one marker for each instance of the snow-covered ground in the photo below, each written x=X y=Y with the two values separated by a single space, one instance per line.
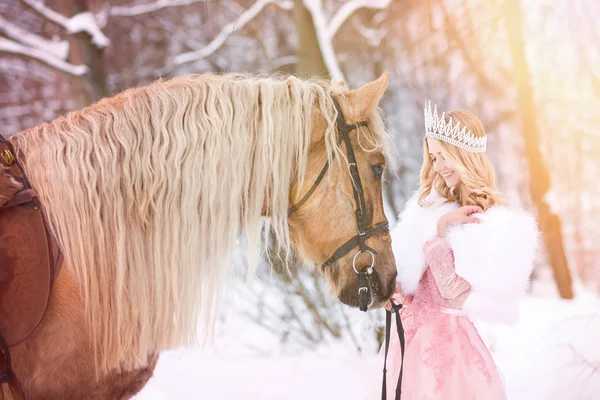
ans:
x=552 y=354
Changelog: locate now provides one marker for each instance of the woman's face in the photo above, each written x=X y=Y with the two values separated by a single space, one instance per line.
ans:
x=447 y=169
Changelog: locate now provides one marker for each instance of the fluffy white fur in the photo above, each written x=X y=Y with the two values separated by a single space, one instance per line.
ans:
x=496 y=256
x=416 y=226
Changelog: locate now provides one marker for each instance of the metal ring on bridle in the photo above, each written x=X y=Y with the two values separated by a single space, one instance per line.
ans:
x=370 y=269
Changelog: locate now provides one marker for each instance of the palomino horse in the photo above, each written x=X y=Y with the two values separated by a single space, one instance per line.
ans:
x=147 y=192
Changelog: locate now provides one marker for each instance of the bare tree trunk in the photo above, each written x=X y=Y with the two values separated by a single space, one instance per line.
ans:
x=92 y=87
x=310 y=57
x=539 y=181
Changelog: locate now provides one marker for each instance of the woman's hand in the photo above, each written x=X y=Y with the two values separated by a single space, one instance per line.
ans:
x=397 y=297
x=461 y=215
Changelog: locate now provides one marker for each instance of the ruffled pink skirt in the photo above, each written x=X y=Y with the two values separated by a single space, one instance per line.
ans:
x=445 y=358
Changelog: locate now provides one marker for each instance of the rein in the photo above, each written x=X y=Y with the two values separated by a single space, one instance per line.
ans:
x=400 y=329
x=364 y=232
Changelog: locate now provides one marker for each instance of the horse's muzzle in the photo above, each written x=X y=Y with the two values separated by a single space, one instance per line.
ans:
x=368 y=292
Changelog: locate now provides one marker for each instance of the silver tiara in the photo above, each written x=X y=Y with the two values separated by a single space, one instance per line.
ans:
x=437 y=128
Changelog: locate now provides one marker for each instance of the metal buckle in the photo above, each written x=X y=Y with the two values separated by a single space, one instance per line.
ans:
x=7 y=157
x=370 y=269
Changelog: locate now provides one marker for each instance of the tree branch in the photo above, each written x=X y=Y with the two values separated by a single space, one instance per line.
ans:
x=325 y=31
x=85 y=22
x=131 y=11
x=284 y=60
x=464 y=49
x=315 y=8
x=9 y=46
x=228 y=29
x=81 y=22
x=48 y=13
x=56 y=49
x=350 y=8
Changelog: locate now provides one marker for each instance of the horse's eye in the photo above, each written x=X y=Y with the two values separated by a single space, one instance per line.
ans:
x=377 y=170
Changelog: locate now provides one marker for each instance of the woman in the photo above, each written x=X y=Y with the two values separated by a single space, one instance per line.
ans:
x=460 y=253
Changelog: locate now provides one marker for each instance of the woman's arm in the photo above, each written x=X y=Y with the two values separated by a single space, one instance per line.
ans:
x=440 y=260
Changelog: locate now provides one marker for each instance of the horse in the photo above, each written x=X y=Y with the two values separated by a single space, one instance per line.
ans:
x=147 y=193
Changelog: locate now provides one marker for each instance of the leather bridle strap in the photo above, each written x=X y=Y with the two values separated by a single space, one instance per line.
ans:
x=27 y=197
x=356 y=242
x=364 y=232
x=359 y=196
x=311 y=190
x=7 y=375
x=314 y=186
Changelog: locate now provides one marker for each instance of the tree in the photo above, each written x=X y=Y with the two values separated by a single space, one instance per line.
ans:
x=539 y=181
x=80 y=56
x=86 y=48
x=310 y=58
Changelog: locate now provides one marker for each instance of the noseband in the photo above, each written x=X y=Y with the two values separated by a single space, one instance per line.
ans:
x=364 y=232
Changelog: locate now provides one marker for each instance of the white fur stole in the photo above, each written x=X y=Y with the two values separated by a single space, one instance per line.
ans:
x=496 y=256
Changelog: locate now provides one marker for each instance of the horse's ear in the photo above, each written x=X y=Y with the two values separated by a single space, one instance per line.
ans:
x=361 y=103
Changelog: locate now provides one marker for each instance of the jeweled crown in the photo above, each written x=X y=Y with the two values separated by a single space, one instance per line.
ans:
x=436 y=127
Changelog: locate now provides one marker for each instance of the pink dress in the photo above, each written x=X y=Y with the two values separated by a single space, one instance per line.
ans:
x=445 y=356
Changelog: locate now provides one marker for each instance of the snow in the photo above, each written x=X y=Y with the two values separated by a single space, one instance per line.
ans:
x=241 y=377
x=349 y=8
x=315 y=8
x=139 y=9
x=82 y=22
x=47 y=12
x=85 y=22
x=59 y=49
x=553 y=353
x=228 y=29
x=16 y=48
x=326 y=30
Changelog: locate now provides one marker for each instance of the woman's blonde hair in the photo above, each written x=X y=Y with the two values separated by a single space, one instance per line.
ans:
x=478 y=186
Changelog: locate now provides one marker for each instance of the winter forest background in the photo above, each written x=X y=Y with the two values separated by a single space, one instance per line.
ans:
x=527 y=68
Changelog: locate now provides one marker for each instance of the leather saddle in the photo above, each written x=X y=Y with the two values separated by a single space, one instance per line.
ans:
x=29 y=262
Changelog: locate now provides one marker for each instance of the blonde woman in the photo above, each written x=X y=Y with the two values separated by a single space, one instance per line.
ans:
x=460 y=253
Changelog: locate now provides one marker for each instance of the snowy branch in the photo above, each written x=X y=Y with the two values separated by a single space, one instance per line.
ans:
x=48 y=13
x=373 y=36
x=85 y=22
x=54 y=48
x=285 y=60
x=350 y=8
x=326 y=31
x=10 y=46
x=130 y=11
x=228 y=29
x=82 y=22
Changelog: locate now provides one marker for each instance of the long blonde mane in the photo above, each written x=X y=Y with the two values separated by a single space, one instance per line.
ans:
x=148 y=191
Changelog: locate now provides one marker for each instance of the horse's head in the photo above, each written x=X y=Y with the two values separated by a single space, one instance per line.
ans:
x=337 y=216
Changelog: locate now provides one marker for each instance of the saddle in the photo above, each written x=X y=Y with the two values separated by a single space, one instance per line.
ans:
x=29 y=263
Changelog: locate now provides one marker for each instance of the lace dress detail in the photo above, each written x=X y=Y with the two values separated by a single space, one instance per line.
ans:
x=445 y=357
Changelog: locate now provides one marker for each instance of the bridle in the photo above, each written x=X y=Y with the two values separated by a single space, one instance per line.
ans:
x=364 y=232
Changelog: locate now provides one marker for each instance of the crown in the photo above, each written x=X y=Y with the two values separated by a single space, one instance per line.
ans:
x=437 y=128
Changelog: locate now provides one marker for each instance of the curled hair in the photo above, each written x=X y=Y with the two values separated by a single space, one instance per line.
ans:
x=478 y=186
